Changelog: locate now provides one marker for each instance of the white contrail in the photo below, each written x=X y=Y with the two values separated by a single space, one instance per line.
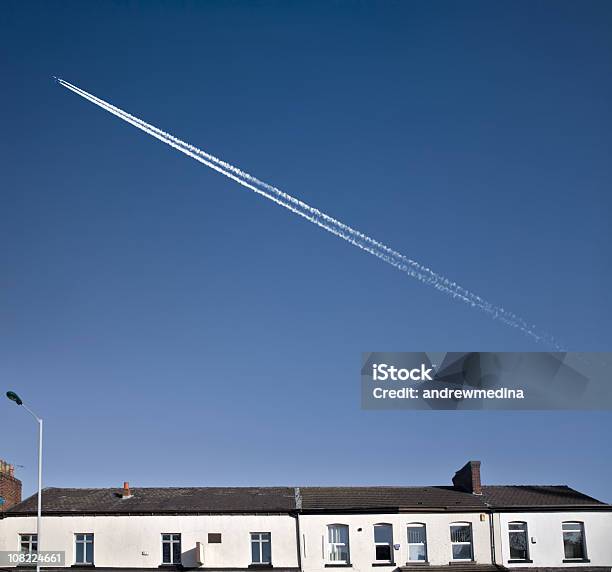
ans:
x=354 y=237
x=433 y=278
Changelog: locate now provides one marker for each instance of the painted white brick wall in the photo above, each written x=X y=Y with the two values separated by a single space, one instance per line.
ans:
x=545 y=529
x=313 y=529
x=119 y=541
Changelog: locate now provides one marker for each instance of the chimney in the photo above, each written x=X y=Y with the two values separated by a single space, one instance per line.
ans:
x=467 y=478
x=125 y=493
x=10 y=487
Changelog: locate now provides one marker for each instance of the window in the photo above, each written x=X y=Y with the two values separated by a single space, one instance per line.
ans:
x=517 y=532
x=171 y=548
x=261 y=548
x=28 y=543
x=573 y=541
x=84 y=548
x=338 y=543
x=383 y=542
x=461 y=540
x=417 y=543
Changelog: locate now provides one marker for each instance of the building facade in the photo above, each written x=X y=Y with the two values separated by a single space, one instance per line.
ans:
x=462 y=527
x=10 y=487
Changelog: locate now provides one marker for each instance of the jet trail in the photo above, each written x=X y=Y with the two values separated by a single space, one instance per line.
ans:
x=335 y=227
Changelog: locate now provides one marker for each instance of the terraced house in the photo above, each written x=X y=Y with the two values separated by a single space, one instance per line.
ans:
x=461 y=527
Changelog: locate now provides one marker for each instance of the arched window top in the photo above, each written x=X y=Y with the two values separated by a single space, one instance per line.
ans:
x=415 y=524
x=461 y=523
x=338 y=532
x=383 y=533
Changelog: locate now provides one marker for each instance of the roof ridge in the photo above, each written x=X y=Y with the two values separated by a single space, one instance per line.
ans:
x=529 y=485
x=243 y=487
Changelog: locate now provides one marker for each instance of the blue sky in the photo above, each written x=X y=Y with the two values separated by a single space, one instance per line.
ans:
x=173 y=328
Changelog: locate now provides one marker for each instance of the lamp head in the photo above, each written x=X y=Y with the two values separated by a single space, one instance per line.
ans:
x=14 y=397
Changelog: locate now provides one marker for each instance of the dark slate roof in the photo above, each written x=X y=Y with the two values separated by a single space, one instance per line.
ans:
x=534 y=495
x=217 y=500
x=443 y=498
x=359 y=498
x=162 y=500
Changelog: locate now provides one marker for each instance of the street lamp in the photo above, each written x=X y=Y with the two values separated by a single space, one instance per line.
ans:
x=14 y=397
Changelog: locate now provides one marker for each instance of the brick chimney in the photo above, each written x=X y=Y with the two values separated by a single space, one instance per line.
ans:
x=10 y=487
x=467 y=478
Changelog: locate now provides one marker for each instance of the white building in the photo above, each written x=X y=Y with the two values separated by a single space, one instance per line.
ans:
x=461 y=527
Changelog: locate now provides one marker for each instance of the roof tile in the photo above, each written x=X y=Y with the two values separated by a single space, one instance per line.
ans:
x=282 y=499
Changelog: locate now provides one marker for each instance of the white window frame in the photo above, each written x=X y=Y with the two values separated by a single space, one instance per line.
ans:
x=454 y=543
x=32 y=539
x=389 y=544
x=88 y=539
x=175 y=538
x=579 y=527
x=331 y=545
x=423 y=544
x=261 y=538
x=525 y=532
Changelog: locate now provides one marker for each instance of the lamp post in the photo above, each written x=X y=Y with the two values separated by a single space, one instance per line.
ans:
x=15 y=398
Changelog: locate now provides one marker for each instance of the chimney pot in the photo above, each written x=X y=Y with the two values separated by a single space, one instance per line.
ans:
x=126 y=490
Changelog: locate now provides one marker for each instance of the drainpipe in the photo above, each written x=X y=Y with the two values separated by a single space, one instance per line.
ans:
x=492 y=536
x=298 y=536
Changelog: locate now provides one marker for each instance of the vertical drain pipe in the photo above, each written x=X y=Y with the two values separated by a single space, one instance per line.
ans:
x=298 y=536
x=492 y=537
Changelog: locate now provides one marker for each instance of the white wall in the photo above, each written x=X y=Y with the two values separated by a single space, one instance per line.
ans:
x=119 y=541
x=313 y=532
x=545 y=529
